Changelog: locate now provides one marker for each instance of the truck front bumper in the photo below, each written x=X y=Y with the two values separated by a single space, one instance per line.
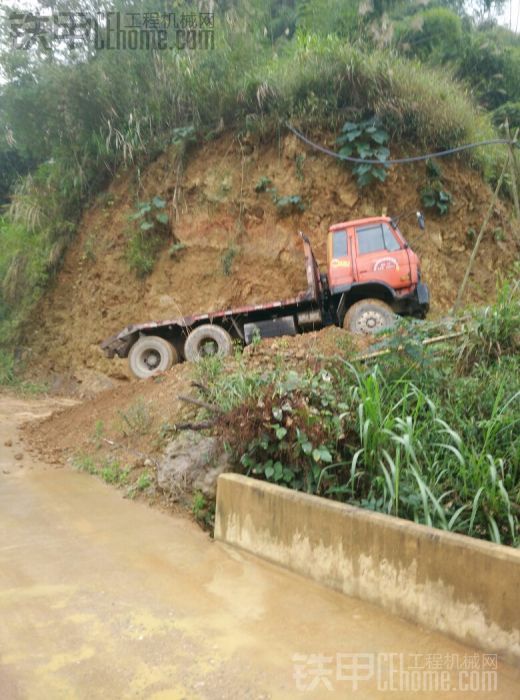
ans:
x=416 y=303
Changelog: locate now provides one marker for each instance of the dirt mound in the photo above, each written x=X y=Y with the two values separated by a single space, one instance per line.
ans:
x=132 y=420
x=229 y=227
x=118 y=419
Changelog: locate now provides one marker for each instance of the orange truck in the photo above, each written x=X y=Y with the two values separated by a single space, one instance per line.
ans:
x=372 y=276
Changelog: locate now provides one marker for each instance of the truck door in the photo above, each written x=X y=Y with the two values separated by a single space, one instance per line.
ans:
x=341 y=272
x=381 y=256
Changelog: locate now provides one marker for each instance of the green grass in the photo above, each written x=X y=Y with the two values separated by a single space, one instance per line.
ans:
x=10 y=377
x=109 y=470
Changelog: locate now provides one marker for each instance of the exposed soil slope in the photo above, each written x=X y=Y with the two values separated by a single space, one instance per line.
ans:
x=218 y=211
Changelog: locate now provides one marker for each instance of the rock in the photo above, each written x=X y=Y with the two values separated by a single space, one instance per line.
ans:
x=191 y=462
x=349 y=197
x=19 y=456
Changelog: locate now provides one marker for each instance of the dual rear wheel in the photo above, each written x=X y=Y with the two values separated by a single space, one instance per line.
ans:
x=151 y=354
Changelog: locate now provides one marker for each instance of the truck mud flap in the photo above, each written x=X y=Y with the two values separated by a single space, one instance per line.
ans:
x=270 y=329
x=423 y=294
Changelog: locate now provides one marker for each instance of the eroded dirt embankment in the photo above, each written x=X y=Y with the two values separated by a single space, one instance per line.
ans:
x=227 y=226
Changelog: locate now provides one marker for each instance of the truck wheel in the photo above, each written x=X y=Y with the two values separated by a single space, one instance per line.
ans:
x=369 y=316
x=206 y=341
x=150 y=355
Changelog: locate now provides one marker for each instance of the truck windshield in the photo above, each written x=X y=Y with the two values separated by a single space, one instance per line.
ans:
x=339 y=244
x=376 y=237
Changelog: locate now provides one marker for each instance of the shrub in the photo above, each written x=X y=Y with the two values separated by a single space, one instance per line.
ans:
x=228 y=257
x=145 y=242
x=137 y=420
x=365 y=140
x=288 y=204
x=7 y=371
x=433 y=195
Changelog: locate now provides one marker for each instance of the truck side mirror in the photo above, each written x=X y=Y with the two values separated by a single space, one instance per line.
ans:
x=420 y=220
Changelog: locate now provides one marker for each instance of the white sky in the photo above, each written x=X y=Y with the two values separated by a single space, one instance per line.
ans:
x=510 y=17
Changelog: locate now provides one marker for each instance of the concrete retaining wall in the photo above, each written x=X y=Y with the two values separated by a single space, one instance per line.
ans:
x=466 y=588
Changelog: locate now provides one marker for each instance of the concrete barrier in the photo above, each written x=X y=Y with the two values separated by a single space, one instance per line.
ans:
x=465 y=588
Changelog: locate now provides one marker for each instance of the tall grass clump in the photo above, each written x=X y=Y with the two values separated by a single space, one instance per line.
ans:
x=416 y=102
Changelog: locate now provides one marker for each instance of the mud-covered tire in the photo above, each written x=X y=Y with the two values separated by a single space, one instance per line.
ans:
x=207 y=340
x=151 y=355
x=369 y=316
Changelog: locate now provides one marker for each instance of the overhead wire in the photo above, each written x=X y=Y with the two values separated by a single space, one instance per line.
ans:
x=399 y=161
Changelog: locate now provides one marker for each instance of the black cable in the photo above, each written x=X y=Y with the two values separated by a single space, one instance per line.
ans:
x=412 y=159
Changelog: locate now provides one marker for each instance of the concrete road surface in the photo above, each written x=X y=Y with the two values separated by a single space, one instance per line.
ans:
x=101 y=597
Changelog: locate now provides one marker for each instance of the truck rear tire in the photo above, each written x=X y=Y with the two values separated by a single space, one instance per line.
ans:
x=151 y=355
x=369 y=316
x=207 y=340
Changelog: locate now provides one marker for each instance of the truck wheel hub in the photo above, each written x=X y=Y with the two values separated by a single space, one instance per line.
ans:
x=369 y=321
x=152 y=359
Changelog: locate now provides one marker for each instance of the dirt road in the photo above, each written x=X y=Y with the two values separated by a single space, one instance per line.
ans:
x=101 y=597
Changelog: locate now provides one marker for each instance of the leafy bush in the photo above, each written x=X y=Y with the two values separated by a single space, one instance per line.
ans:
x=263 y=184
x=228 y=257
x=285 y=204
x=365 y=140
x=289 y=204
x=145 y=243
x=203 y=510
x=433 y=195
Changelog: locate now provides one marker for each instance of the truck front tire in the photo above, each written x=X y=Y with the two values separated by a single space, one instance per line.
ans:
x=207 y=340
x=369 y=316
x=150 y=355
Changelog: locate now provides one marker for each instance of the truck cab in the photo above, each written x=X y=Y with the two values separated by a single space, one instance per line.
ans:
x=369 y=259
